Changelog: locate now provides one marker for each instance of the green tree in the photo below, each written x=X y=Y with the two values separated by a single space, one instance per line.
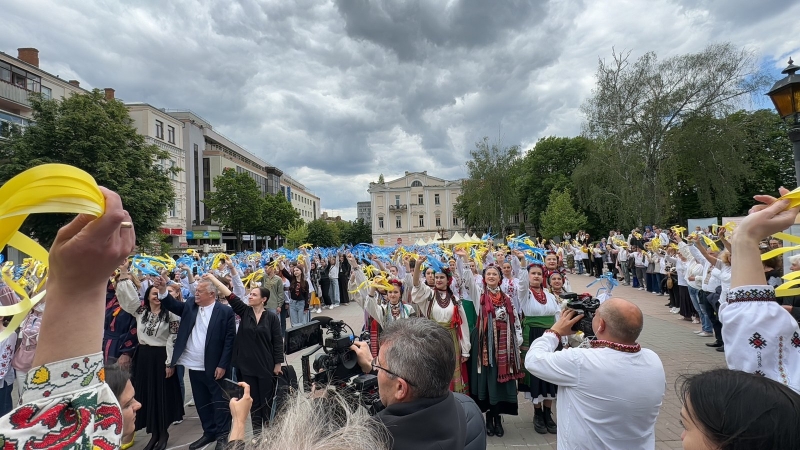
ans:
x=96 y=135
x=277 y=214
x=489 y=199
x=380 y=179
x=296 y=235
x=341 y=228
x=631 y=113
x=359 y=232
x=320 y=234
x=236 y=204
x=561 y=216
x=547 y=166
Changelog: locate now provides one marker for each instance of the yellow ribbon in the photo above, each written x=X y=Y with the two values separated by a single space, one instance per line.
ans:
x=711 y=244
x=49 y=188
x=793 y=197
x=788 y=288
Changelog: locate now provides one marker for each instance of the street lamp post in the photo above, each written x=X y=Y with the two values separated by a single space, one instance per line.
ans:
x=785 y=95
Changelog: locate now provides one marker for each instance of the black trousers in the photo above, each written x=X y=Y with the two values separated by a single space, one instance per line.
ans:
x=325 y=284
x=262 y=390
x=212 y=407
x=598 y=267
x=712 y=311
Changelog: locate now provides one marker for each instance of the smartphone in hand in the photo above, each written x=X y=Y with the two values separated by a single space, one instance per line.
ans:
x=230 y=388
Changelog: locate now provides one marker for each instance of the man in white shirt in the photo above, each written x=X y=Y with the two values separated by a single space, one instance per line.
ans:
x=609 y=395
x=622 y=264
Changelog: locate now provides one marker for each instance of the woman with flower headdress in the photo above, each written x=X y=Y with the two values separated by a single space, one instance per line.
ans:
x=382 y=305
x=540 y=309
x=551 y=266
x=495 y=347
x=441 y=305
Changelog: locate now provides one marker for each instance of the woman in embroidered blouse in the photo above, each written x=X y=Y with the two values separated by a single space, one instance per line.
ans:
x=541 y=310
x=760 y=336
x=156 y=384
x=66 y=381
x=441 y=305
x=382 y=306
x=556 y=285
x=495 y=362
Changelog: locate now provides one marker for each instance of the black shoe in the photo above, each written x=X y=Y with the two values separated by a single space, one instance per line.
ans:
x=667 y=304
x=162 y=442
x=721 y=349
x=489 y=424
x=221 y=444
x=498 y=426
x=202 y=442
x=538 y=421
x=152 y=443
x=715 y=344
x=552 y=428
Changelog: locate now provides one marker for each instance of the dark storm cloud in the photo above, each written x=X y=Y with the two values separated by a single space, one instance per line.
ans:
x=336 y=92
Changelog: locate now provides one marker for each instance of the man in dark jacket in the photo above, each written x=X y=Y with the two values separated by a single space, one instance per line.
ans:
x=413 y=382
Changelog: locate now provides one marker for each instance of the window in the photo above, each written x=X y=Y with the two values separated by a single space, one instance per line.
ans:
x=397 y=222
x=396 y=200
x=380 y=222
x=47 y=93
x=455 y=221
x=515 y=218
x=5 y=72
x=172 y=208
x=421 y=220
x=438 y=221
x=435 y=199
x=159 y=129
x=416 y=183
x=419 y=199
x=170 y=134
x=172 y=172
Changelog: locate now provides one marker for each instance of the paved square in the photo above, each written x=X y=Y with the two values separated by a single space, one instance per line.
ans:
x=681 y=351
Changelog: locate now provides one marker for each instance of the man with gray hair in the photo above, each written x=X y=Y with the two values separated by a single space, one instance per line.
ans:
x=414 y=367
x=609 y=395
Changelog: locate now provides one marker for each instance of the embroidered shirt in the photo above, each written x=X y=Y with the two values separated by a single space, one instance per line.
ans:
x=65 y=404
x=606 y=398
x=760 y=336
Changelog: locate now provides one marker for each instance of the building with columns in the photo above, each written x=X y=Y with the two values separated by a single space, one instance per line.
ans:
x=414 y=206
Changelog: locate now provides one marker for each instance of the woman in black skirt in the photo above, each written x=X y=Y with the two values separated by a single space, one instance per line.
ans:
x=344 y=277
x=324 y=281
x=156 y=385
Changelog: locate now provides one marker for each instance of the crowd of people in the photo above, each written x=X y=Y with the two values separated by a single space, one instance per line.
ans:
x=487 y=322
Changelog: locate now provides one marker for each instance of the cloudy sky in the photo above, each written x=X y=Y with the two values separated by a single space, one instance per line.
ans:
x=336 y=92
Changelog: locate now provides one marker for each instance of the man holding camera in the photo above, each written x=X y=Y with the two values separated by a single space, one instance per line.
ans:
x=610 y=394
x=414 y=366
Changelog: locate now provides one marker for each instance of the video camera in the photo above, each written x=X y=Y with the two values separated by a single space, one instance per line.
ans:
x=584 y=304
x=337 y=365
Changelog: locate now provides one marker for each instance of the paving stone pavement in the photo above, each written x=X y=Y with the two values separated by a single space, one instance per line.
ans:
x=681 y=351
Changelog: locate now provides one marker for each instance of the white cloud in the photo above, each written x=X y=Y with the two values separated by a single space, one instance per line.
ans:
x=337 y=92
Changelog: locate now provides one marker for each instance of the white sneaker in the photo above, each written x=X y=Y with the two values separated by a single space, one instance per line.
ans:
x=695 y=320
x=190 y=402
x=319 y=310
x=641 y=288
x=336 y=306
x=654 y=293
x=705 y=334
x=697 y=331
x=675 y=310
x=330 y=307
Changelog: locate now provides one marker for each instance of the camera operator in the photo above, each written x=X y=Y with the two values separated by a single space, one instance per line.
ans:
x=609 y=394
x=413 y=382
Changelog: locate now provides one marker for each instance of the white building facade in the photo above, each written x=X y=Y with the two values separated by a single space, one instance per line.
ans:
x=302 y=199
x=364 y=211
x=164 y=131
x=414 y=206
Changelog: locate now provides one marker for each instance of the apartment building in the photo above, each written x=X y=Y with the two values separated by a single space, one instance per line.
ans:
x=209 y=153
x=414 y=206
x=164 y=131
x=364 y=211
x=302 y=199
x=19 y=78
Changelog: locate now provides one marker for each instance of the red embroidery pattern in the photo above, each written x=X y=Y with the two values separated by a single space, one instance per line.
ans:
x=757 y=341
x=795 y=340
x=780 y=361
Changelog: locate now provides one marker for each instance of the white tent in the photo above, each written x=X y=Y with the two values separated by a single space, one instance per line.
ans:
x=431 y=241
x=474 y=238
x=456 y=239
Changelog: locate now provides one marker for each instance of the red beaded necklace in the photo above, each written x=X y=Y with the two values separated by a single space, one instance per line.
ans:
x=635 y=348
x=497 y=298
x=540 y=296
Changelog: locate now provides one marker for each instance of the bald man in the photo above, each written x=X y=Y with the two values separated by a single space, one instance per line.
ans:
x=608 y=395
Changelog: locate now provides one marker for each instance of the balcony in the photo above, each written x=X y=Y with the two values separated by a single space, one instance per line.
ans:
x=15 y=94
x=398 y=207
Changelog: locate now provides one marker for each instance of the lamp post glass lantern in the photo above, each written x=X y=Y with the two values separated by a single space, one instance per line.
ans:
x=785 y=95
